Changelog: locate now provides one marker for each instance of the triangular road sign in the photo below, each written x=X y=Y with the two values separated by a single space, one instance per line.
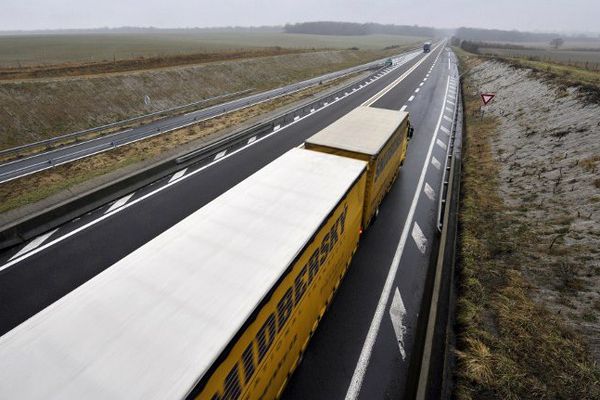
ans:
x=487 y=97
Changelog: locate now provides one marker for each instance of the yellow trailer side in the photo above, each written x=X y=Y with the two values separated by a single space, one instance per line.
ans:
x=267 y=350
x=379 y=137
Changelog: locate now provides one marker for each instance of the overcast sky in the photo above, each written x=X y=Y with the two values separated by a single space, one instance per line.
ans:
x=531 y=15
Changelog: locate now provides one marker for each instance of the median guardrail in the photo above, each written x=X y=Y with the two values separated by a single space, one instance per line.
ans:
x=34 y=225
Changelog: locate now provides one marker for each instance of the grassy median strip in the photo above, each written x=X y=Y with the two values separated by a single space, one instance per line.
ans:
x=33 y=188
x=508 y=347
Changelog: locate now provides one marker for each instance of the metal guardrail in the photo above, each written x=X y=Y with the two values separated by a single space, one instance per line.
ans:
x=32 y=225
x=274 y=123
x=449 y=154
x=114 y=124
x=332 y=75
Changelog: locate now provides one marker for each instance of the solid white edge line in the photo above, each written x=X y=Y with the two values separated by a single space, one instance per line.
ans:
x=160 y=189
x=367 y=349
x=395 y=83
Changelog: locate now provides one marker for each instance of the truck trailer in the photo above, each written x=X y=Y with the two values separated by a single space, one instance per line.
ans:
x=220 y=306
x=374 y=135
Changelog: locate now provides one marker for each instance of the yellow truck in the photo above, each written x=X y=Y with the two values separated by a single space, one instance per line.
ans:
x=219 y=307
x=375 y=135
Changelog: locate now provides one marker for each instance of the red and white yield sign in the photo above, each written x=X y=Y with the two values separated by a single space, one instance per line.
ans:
x=487 y=97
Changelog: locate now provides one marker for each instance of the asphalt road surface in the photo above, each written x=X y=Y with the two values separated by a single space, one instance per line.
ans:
x=364 y=344
x=39 y=162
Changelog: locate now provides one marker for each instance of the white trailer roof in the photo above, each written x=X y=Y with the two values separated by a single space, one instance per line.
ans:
x=150 y=325
x=363 y=130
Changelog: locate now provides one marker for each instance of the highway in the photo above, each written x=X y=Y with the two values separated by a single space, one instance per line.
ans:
x=364 y=344
x=62 y=155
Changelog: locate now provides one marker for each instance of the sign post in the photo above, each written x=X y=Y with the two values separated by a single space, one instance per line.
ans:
x=486 y=98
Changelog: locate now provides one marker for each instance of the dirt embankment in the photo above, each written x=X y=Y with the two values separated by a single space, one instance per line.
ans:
x=36 y=109
x=529 y=298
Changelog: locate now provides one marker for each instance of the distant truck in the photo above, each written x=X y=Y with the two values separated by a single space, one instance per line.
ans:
x=426 y=47
x=375 y=135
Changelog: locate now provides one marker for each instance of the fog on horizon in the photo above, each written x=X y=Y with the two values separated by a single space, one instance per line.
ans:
x=562 y=16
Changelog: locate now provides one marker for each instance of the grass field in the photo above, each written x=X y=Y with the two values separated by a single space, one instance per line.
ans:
x=579 y=58
x=16 y=51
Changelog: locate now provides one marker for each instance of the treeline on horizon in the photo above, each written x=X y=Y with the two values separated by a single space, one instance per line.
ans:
x=356 y=29
x=471 y=34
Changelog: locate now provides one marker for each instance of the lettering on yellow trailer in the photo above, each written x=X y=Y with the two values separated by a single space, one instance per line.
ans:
x=267 y=349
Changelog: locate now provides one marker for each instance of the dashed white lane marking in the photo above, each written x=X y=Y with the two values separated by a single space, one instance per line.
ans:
x=411 y=98
x=417 y=90
x=397 y=313
x=119 y=203
x=429 y=191
x=441 y=144
x=447 y=118
x=436 y=163
x=296 y=118
x=450 y=102
x=252 y=139
x=178 y=175
x=16 y=260
x=449 y=109
x=421 y=84
x=367 y=349
x=312 y=110
x=34 y=243
x=326 y=103
x=424 y=79
x=444 y=129
x=403 y=108
x=419 y=238
x=220 y=154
